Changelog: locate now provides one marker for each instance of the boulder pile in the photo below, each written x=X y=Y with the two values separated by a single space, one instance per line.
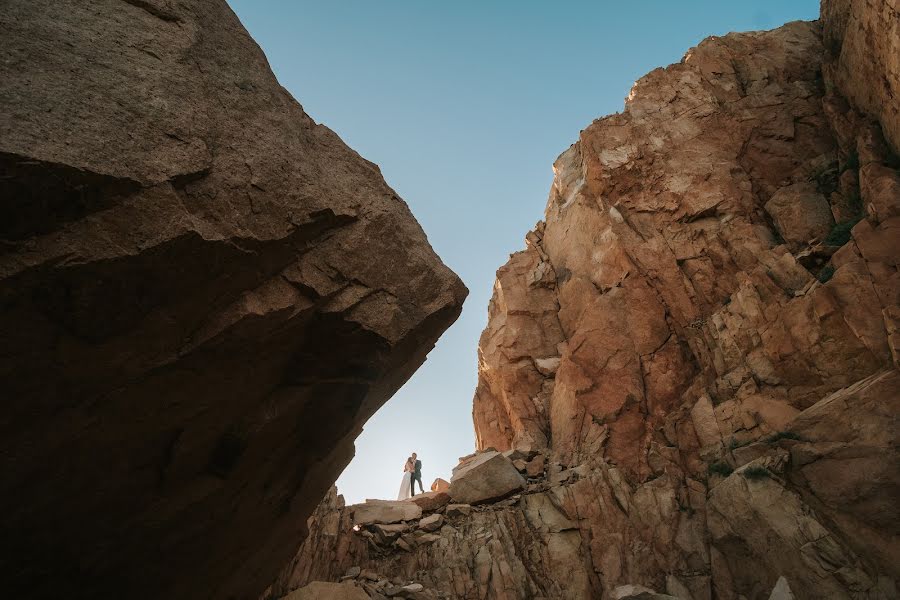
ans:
x=480 y=478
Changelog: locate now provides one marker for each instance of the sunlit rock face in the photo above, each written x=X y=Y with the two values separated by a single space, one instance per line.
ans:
x=659 y=276
x=714 y=263
x=696 y=352
x=205 y=294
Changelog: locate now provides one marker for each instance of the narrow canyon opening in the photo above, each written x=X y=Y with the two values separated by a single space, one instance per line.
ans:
x=687 y=382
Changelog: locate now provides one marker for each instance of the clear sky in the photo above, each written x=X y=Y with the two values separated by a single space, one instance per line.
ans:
x=465 y=104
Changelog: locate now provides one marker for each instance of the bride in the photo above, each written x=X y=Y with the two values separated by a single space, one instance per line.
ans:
x=407 y=475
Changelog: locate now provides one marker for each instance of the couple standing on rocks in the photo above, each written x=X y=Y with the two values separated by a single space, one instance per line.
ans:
x=412 y=472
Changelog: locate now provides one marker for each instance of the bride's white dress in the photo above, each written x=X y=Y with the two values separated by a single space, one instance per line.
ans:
x=404 y=486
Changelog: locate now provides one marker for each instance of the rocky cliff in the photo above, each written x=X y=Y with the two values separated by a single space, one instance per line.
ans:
x=862 y=57
x=204 y=294
x=694 y=361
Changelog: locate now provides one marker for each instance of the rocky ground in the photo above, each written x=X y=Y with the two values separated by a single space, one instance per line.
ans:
x=699 y=345
x=522 y=543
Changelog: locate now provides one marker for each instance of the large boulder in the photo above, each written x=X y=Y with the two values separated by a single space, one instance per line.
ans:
x=204 y=293
x=487 y=477
x=384 y=511
x=800 y=213
x=431 y=500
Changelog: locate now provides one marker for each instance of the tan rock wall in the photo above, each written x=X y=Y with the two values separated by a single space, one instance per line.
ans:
x=671 y=279
x=705 y=303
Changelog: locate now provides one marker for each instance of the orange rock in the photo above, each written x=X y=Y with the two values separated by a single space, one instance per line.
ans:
x=440 y=485
x=431 y=500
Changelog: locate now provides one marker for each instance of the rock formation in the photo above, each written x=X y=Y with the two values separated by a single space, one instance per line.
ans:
x=696 y=354
x=484 y=477
x=205 y=294
x=862 y=57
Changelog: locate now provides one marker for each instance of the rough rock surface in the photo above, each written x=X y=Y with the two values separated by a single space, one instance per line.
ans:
x=431 y=500
x=781 y=591
x=800 y=213
x=638 y=592
x=474 y=555
x=709 y=387
x=862 y=42
x=385 y=511
x=204 y=294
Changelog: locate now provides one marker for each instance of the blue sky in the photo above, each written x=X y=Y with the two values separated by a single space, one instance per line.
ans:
x=465 y=105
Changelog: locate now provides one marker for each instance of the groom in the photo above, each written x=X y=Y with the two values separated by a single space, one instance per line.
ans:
x=416 y=476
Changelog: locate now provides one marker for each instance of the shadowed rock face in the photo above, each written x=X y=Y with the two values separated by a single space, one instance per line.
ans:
x=699 y=347
x=203 y=296
x=862 y=43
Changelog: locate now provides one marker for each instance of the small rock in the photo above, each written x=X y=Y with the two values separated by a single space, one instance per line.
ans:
x=781 y=591
x=674 y=587
x=535 y=467
x=389 y=531
x=458 y=510
x=428 y=538
x=385 y=534
x=440 y=485
x=519 y=454
x=352 y=572
x=404 y=545
x=413 y=587
x=547 y=366
x=430 y=501
x=432 y=522
x=615 y=215
x=638 y=592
